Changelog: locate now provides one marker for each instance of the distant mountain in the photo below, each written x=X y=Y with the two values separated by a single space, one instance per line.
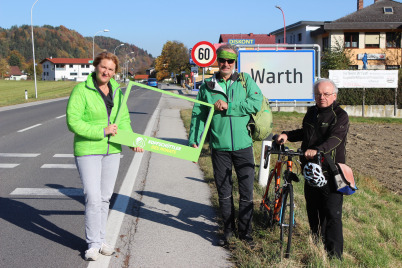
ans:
x=60 y=42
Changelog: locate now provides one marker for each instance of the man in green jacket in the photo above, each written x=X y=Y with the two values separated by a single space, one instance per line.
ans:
x=230 y=140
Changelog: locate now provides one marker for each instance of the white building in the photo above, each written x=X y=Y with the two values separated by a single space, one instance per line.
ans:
x=16 y=74
x=55 y=69
x=298 y=33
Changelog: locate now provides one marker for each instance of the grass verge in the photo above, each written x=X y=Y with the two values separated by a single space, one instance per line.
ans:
x=13 y=92
x=371 y=220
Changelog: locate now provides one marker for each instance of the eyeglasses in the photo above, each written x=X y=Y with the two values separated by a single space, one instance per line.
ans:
x=326 y=95
x=229 y=61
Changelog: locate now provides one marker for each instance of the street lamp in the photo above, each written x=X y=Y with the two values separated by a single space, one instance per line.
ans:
x=33 y=54
x=284 y=24
x=125 y=65
x=114 y=51
x=93 y=43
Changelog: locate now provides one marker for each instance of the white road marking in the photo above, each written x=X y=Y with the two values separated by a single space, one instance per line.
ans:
x=25 y=129
x=4 y=165
x=61 y=116
x=48 y=191
x=63 y=155
x=71 y=155
x=17 y=155
x=69 y=166
x=117 y=212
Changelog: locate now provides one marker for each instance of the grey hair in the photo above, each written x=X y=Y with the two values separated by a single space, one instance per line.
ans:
x=321 y=80
x=227 y=47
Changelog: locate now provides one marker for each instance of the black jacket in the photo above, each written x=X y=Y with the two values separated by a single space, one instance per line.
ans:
x=324 y=129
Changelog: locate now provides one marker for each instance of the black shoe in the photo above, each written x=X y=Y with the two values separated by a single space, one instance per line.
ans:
x=248 y=239
x=224 y=240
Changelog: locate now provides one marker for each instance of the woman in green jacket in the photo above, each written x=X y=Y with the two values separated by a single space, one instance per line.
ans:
x=91 y=111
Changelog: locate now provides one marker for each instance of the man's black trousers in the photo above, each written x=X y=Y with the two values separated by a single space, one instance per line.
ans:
x=324 y=210
x=243 y=162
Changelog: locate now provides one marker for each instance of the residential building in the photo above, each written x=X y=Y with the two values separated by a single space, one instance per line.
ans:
x=141 y=77
x=247 y=39
x=55 y=69
x=16 y=74
x=241 y=39
x=374 y=30
x=298 y=33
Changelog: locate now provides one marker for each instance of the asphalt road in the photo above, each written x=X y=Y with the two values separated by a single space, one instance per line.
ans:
x=41 y=201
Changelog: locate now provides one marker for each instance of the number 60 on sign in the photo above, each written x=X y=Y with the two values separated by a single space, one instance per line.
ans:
x=203 y=54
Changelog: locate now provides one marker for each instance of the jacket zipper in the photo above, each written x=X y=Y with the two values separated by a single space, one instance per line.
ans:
x=108 y=119
x=230 y=117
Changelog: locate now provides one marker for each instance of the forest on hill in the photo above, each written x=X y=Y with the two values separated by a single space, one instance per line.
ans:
x=60 y=42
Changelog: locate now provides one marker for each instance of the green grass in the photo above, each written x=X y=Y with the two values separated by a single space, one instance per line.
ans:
x=352 y=119
x=371 y=221
x=13 y=92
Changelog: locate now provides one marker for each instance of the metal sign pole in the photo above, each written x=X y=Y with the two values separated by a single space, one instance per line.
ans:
x=364 y=91
x=396 y=101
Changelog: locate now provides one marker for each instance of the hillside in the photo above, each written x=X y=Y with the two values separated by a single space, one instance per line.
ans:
x=60 y=42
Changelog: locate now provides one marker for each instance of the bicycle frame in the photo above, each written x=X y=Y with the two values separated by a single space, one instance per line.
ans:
x=278 y=201
x=275 y=176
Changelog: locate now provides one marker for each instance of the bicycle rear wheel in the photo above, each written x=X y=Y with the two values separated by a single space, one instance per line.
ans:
x=287 y=220
x=268 y=204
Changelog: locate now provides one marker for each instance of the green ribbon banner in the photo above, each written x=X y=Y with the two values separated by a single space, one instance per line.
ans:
x=155 y=145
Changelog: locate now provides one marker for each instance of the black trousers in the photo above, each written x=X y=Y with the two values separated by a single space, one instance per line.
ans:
x=243 y=162
x=324 y=210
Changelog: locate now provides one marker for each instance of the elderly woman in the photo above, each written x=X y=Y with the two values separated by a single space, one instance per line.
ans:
x=91 y=111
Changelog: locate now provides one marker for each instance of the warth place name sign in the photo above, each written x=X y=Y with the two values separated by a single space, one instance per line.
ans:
x=156 y=145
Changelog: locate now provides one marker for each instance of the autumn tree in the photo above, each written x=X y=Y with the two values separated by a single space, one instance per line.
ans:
x=16 y=59
x=30 y=71
x=4 y=67
x=173 y=59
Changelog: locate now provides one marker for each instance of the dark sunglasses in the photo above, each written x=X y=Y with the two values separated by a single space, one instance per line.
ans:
x=220 y=60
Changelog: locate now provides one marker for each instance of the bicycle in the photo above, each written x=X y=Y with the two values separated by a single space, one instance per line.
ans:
x=278 y=203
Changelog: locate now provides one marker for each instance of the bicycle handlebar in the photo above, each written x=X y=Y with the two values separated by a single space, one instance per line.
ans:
x=281 y=151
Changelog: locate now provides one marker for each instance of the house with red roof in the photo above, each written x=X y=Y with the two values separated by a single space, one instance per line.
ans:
x=16 y=74
x=55 y=69
x=141 y=77
x=239 y=40
x=247 y=39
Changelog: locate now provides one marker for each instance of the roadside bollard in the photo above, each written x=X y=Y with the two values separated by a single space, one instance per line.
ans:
x=26 y=94
x=264 y=172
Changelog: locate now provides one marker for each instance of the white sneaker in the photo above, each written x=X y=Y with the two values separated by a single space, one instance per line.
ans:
x=92 y=254
x=106 y=249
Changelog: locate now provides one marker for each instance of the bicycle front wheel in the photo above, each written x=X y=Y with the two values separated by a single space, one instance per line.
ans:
x=286 y=220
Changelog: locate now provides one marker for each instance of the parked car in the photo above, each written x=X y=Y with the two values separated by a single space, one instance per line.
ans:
x=198 y=84
x=152 y=82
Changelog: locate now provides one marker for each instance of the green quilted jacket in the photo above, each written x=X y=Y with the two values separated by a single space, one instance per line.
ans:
x=228 y=128
x=87 y=118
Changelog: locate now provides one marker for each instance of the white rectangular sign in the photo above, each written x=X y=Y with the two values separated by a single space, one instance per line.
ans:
x=364 y=78
x=283 y=75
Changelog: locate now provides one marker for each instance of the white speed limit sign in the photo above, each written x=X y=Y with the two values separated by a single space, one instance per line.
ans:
x=203 y=54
